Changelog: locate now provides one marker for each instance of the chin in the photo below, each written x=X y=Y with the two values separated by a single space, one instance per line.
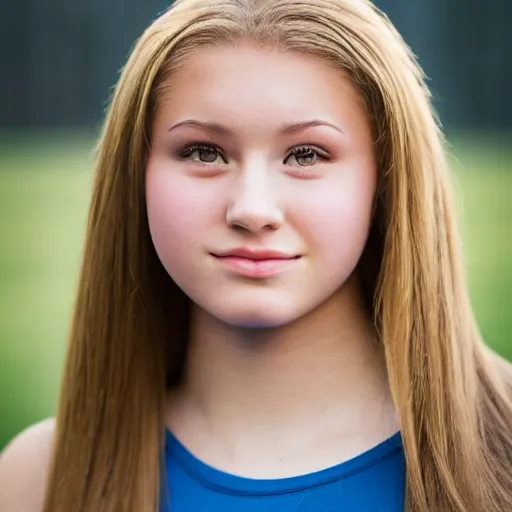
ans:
x=256 y=317
x=269 y=316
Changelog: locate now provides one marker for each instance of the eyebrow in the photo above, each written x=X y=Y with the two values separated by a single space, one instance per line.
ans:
x=286 y=128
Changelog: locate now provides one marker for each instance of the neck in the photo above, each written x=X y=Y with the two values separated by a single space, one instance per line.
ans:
x=324 y=372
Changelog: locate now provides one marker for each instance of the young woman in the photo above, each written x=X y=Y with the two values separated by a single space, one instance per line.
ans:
x=272 y=312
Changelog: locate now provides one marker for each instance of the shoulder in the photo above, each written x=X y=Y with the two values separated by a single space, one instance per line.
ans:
x=24 y=467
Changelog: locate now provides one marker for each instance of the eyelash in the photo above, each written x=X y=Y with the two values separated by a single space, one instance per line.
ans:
x=296 y=151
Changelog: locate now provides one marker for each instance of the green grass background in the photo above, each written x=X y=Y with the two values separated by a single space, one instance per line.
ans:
x=44 y=194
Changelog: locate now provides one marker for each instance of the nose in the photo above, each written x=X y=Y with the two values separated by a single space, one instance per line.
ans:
x=254 y=206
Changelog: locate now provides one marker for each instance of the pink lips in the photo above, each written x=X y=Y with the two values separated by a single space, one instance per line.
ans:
x=256 y=264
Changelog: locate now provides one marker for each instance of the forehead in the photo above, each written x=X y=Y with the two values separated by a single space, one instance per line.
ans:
x=246 y=82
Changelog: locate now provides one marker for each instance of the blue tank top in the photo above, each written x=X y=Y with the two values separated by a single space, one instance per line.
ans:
x=373 y=481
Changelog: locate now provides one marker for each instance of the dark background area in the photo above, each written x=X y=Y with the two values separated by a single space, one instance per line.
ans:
x=60 y=58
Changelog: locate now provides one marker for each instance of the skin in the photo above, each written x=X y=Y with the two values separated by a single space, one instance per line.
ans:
x=291 y=360
x=24 y=466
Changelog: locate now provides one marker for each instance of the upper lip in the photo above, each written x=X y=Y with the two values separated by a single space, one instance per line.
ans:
x=255 y=254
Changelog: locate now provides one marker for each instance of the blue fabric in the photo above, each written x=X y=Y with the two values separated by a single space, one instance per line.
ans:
x=373 y=481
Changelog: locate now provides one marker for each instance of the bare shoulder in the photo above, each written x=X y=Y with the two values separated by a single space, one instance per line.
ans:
x=24 y=467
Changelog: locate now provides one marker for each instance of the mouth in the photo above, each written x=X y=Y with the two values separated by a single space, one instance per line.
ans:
x=256 y=264
x=256 y=254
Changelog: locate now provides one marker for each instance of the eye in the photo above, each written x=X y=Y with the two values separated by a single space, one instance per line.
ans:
x=306 y=156
x=202 y=153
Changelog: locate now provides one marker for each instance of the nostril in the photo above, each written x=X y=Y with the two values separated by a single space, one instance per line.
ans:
x=239 y=225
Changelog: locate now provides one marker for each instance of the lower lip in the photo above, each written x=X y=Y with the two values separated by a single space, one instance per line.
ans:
x=256 y=269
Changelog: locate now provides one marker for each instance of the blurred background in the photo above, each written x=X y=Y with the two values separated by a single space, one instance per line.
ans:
x=60 y=61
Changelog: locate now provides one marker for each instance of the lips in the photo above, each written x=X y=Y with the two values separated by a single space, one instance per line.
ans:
x=256 y=264
x=256 y=255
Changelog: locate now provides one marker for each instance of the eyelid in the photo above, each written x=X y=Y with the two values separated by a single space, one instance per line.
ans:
x=311 y=147
x=193 y=146
x=186 y=151
x=295 y=150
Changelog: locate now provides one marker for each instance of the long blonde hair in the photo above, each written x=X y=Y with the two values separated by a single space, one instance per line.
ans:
x=130 y=325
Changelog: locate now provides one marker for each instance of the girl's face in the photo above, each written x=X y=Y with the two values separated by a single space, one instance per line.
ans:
x=260 y=183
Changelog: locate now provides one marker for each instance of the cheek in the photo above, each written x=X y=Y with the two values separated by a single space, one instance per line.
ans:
x=179 y=215
x=336 y=220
